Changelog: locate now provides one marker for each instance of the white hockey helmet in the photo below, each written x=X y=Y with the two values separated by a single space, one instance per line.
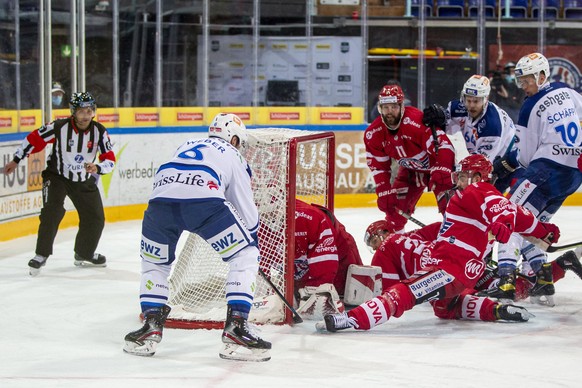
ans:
x=476 y=86
x=534 y=64
x=227 y=125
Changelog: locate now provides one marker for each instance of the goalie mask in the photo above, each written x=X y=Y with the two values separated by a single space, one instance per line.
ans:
x=226 y=126
x=391 y=106
x=376 y=233
x=470 y=167
x=475 y=94
x=532 y=64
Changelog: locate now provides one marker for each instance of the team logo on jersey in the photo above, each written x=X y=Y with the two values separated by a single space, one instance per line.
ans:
x=89 y=144
x=153 y=251
x=408 y=120
x=301 y=267
x=562 y=70
x=474 y=268
x=415 y=164
x=212 y=185
x=71 y=142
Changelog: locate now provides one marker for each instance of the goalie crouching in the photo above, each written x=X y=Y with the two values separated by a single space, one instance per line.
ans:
x=323 y=252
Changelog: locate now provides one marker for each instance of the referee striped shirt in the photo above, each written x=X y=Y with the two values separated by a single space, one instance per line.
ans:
x=72 y=148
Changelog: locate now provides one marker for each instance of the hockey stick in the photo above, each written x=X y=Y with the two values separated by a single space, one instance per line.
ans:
x=410 y=218
x=296 y=317
x=546 y=247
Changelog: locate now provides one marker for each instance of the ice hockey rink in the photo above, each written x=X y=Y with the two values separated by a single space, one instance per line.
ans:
x=65 y=328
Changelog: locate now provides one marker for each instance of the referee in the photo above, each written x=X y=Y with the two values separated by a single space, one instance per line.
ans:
x=71 y=172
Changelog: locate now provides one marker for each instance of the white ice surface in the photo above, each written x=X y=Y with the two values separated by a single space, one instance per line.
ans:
x=65 y=328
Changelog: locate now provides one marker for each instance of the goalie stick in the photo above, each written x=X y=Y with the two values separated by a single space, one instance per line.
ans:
x=296 y=317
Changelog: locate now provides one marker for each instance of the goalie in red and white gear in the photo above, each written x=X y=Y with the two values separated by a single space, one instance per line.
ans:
x=475 y=216
x=323 y=252
x=425 y=159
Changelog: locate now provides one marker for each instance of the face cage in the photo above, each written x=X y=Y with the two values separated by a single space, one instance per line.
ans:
x=369 y=237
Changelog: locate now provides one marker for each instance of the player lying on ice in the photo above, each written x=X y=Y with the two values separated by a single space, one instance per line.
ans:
x=475 y=213
x=401 y=255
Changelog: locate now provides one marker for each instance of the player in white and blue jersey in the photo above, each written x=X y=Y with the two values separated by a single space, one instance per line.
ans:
x=549 y=138
x=204 y=189
x=486 y=128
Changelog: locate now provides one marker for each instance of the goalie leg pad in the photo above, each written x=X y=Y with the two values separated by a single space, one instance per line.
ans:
x=316 y=302
x=363 y=283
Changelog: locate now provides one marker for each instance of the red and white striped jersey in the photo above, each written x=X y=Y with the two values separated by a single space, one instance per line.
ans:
x=72 y=148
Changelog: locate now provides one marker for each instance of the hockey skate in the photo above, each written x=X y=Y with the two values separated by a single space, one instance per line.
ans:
x=335 y=322
x=511 y=313
x=98 y=260
x=241 y=343
x=569 y=262
x=143 y=342
x=542 y=292
x=35 y=264
x=504 y=291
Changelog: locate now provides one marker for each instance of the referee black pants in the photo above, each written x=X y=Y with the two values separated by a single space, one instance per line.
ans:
x=87 y=200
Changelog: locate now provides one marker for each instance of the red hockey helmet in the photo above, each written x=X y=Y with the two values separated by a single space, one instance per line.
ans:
x=475 y=163
x=391 y=94
x=376 y=232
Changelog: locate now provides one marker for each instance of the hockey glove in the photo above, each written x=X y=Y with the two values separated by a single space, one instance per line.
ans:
x=434 y=115
x=440 y=179
x=501 y=231
x=547 y=232
x=386 y=198
x=502 y=167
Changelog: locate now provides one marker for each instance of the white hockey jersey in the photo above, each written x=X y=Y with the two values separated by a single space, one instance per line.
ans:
x=549 y=126
x=208 y=168
x=491 y=134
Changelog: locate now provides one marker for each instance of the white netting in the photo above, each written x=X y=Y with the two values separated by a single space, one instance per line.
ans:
x=197 y=292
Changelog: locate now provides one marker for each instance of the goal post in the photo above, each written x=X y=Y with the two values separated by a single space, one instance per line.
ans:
x=286 y=164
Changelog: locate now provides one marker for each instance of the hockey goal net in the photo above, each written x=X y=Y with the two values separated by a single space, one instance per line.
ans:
x=286 y=164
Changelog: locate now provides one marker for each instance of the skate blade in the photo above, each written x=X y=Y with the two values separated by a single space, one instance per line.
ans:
x=148 y=348
x=33 y=271
x=320 y=326
x=548 y=300
x=88 y=264
x=240 y=353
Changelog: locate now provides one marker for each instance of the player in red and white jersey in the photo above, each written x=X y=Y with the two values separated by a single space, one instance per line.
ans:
x=401 y=255
x=425 y=159
x=323 y=252
x=476 y=212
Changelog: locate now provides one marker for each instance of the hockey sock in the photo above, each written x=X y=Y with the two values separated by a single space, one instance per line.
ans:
x=557 y=271
x=376 y=311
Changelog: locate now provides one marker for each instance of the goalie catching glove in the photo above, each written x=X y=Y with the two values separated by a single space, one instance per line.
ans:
x=316 y=302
